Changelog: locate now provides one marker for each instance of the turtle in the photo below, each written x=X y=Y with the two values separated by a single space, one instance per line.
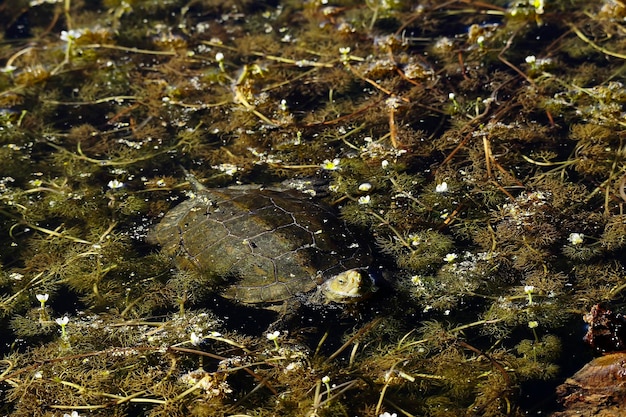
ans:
x=266 y=245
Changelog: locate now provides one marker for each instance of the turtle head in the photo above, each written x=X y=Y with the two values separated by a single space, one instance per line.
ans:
x=349 y=286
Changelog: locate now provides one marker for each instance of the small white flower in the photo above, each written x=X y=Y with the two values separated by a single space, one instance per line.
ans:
x=442 y=187
x=274 y=335
x=74 y=414
x=365 y=199
x=392 y=103
x=38 y=375
x=451 y=257
x=62 y=321
x=219 y=57
x=384 y=164
x=366 y=186
x=16 y=276
x=68 y=35
x=451 y=96
x=8 y=69
x=345 y=50
x=415 y=239
x=533 y=324
x=326 y=379
x=386 y=414
x=333 y=165
x=42 y=298
x=576 y=238
x=195 y=339
x=115 y=184
x=528 y=289
x=531 y=59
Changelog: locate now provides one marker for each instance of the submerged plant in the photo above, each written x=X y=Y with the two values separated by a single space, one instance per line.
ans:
x=479 y=154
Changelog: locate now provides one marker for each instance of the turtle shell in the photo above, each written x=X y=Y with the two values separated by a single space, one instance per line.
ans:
x=267 y=245
x=598 y=389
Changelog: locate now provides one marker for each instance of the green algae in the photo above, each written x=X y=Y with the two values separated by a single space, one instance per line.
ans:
x=478 y=145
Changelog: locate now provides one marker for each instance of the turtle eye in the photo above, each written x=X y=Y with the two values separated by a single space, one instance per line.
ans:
x=341 y=281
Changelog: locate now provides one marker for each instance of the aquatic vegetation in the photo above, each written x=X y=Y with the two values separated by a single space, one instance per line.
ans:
x=477 y=147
